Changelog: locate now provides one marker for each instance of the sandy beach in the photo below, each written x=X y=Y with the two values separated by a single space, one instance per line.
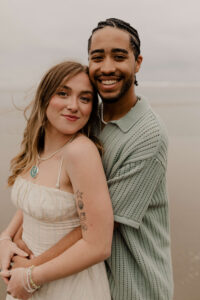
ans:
x=182 y=121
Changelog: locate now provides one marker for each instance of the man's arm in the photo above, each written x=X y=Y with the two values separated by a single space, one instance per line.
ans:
x=17 y=239
x=66 y=242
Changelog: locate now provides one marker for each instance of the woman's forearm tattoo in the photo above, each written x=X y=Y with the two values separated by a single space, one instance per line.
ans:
x=81 y=212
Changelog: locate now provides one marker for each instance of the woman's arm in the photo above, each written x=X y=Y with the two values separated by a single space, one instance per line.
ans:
x=13 y=226
x=86 y=173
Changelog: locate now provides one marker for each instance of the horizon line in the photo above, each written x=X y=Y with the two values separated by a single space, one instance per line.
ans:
x=160 y=83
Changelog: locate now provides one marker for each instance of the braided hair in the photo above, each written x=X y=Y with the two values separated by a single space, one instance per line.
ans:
x=117 y=23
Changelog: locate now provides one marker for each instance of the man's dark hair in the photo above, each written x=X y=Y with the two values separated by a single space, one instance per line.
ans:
x=120 y=24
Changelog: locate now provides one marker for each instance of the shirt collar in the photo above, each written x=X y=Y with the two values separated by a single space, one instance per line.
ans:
x=134 y=114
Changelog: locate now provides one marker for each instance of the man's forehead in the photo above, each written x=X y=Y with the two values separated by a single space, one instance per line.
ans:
x=110 y=38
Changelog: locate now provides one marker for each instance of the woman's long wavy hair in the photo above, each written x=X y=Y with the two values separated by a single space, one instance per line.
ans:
x=34 y=133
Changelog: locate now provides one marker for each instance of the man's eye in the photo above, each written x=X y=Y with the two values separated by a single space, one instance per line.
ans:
x=97 y=58
x=119 y=57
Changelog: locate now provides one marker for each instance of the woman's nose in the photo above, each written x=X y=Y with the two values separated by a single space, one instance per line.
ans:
x=72 y=104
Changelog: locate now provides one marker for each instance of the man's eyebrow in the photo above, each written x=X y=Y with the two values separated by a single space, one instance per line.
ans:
x=115 y=50
x=96 y=51
x=119 y=50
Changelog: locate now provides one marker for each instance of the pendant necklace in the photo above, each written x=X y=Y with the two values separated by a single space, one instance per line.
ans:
x=35 y=169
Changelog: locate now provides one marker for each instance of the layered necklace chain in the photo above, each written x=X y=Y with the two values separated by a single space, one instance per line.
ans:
x=35 y=169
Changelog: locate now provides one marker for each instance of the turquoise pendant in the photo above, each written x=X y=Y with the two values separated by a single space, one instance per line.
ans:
x=34 y=171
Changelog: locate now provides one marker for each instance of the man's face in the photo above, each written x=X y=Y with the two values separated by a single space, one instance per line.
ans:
x=112 y=63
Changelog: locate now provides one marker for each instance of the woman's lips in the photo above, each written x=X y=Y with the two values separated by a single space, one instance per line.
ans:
x=70 y=117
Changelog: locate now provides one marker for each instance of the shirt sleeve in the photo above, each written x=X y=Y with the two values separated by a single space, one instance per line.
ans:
x=132 y=188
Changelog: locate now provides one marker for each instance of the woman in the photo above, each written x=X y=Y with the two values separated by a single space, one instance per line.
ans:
x=59 y=184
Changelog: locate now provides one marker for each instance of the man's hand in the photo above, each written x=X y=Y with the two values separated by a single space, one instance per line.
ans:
x=21 y=262
x=20 y=243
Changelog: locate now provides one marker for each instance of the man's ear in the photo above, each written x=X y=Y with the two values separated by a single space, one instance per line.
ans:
x=138 y=63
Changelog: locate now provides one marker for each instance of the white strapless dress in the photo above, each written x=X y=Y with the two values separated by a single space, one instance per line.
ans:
x=49 y=214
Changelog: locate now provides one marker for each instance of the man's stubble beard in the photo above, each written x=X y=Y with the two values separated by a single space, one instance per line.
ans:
x=122 y=92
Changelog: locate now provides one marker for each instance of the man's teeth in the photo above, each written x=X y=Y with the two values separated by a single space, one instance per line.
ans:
x=109 y=82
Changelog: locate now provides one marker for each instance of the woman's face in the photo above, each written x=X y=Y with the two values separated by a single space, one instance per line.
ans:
x=70 y=108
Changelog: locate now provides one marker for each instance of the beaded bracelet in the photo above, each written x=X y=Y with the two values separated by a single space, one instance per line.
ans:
x=31 y=282
x=29 y=285
x=26 y=284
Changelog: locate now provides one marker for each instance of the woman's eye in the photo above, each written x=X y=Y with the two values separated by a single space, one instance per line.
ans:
x=62 y=94
x=85 y=100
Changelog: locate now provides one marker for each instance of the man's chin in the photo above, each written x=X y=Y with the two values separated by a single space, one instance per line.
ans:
x=110 y=99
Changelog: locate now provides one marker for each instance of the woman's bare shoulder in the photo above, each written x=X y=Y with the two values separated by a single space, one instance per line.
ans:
x=81 y=147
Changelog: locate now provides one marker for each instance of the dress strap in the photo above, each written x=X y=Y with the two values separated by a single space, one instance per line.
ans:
x=59 y=173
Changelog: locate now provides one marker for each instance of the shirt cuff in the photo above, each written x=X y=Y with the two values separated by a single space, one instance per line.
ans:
x=126 y=221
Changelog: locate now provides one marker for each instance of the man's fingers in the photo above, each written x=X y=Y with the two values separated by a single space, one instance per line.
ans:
x=21 y=252
x=22 y=246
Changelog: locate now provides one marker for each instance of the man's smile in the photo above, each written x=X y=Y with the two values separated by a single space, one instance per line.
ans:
x=108 y=82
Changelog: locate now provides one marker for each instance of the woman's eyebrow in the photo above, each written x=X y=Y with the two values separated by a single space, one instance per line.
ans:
x=65 y=87
x=87 y=92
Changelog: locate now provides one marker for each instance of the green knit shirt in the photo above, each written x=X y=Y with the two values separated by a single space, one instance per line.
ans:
x=135 y=163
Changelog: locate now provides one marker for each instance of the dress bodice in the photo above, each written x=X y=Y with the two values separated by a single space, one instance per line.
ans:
x=48 y=213
x=54 y=204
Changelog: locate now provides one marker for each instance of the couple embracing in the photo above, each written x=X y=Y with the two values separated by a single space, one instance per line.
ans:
x=89 y=184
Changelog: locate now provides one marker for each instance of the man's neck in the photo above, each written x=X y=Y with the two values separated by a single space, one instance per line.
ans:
x=115 y=111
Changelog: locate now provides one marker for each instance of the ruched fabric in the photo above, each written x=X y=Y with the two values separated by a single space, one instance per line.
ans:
x=49 y=214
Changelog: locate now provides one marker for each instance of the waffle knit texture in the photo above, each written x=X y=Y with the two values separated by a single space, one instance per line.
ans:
x=135 y=163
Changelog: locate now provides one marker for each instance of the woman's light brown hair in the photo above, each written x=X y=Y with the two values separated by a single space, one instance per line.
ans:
x=33 y=139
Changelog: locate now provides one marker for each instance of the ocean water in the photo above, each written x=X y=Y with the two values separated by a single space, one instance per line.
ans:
x=179 y=107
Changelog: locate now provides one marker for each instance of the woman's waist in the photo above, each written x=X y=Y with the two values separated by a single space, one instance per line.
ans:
x=40 y=235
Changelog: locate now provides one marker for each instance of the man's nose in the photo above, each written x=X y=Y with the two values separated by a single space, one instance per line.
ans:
x=108 y=66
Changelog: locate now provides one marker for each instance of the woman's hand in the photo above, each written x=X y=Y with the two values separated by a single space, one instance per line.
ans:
x=16 y=283
x=7 y=250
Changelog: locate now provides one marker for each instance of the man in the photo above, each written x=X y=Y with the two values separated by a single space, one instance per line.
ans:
x=135 y=162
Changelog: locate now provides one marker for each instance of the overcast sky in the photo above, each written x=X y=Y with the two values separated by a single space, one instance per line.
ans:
x=35 y=34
